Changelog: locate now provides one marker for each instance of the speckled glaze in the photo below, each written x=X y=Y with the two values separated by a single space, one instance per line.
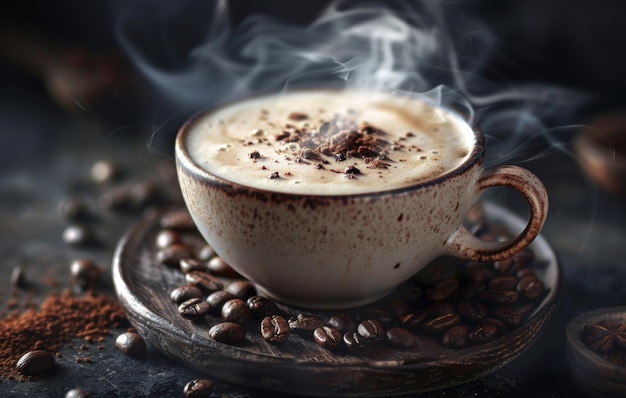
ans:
x=341 y=251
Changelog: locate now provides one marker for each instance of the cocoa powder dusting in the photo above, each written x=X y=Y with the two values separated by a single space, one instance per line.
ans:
x=60 y=319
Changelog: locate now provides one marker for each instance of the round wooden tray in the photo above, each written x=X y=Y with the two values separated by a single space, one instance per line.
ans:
x=300 y=366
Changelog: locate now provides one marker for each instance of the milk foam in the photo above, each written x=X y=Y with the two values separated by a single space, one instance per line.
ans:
x=248 y=142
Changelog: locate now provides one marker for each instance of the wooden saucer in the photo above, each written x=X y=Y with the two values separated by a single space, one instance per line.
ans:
x=300 y=366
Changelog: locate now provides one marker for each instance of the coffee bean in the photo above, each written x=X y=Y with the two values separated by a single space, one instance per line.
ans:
x=371 y=330
x=306 y=322
x=457 y=336
x=227 y=332
x=530 y=287
x=242 y=289
x=400 y=338
x=72 y=209
x=117 y=198
x=206 y=253
x=443 y=289
x=441 y=323
x=78 y=235
x=193 y=308
x=184 y=293
x=218 y=266
x=413 y=320
x=77 y=393
x=439 y=308
x=429 y=275
x=343 y=322
x=503 y=283
x=508 y=315
x=85 y=273
x=35 y=362
x=166 y=237
x=198 y=388
x=471 y=310
x=217 y=300
x=18 y=277
x=327 y=337
x=260 y=307
x=524 y=272
x=353 y=340
x=188 y=265
x=172 y=254
x=130 y=343
x=104 y=171
x=236 y=310
x=204 y=281
x=275 y=329
x=483 y=332
x=500 y=326
x=177 y=219
x=397 y=307
x=477 y=272
x=470 y=290
x=503 y=266
x=499 y=297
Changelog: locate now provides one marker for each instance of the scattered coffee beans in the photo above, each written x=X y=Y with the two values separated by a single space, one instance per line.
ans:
x=130 y=343
x=172 y=254
x=400 y=338
x=35 y=362
x=204 y=281
x=328 y=337
x=184 y=293
x=193 y=308
x=275 y=329
x=227 y=332
x=78 y=235
x=236 y=310
x=85 y=273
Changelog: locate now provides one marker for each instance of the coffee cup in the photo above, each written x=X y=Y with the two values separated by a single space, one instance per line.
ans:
x=333 y=198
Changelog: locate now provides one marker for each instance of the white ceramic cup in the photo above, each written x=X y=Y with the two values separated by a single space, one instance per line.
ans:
x=339 y=251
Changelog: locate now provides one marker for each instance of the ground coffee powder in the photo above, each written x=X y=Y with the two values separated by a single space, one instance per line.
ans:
x=61 y=318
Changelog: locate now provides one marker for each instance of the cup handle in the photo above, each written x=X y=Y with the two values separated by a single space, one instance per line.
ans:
x=464 y=244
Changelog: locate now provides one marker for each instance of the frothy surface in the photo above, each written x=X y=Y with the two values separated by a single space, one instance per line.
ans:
x=329 y=142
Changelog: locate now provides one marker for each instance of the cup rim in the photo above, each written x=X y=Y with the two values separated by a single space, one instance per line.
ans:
x=184 y=159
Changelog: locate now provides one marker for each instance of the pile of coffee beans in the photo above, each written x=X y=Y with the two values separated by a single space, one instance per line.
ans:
x=607 y=339
x=453 y=302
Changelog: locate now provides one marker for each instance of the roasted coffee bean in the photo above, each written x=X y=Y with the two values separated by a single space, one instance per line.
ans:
x=114 y=199
x=477 y=272
x=457 y=336
x=72 y=209
x=503 y=266
x=501 y=326
x=441 y=323
x=260 y=307
x=35 y=362
x=499 y=297
x=306 y=322
x=77 y=393
x=241 y=289
x=236 y=310
x=530 y=287
x=227 y=332
x=177 y=219
x=524 y=272
x=184 y=293
x=193 y=308
x=217 y=300
x=198 y=388
x=206 y=253
x=343 y=322
x=439 y=308
x=400 y=338
x=328 y=337
x=443 y=289
x=384 y=317
x=483 y=333
x=469 y=290
x=275 y=329
x=165 y=238
x=430 y=275
x=218 y=266
x=413 y=295
x=413 y=320
x=85 y=273
x=130 y=343
x=503 y=283
x=397 y=307
x=204 y=281
x=171 y=255
x=353 y=340
x=78 y=235
x=18 y=277
x=371 y=330
x=104 y=170
x=471 y=310
x=510 y=316
x=188 y=265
